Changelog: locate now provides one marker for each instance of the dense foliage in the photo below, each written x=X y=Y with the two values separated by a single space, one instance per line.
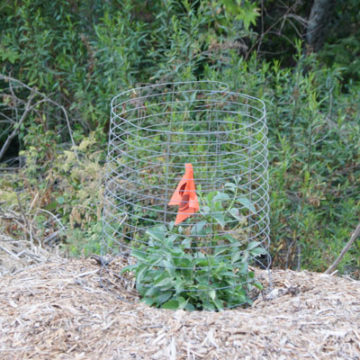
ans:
x=174 y=264
x=81 y=53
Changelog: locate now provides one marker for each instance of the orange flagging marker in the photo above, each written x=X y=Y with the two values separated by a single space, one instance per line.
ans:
x=185 y=196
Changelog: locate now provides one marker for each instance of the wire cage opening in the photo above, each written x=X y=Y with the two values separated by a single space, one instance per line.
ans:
x=155 y=131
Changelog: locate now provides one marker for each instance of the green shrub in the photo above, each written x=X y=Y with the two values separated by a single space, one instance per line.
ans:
x=204 y=266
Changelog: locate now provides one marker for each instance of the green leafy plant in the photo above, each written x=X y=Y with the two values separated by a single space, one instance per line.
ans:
x=204 y=266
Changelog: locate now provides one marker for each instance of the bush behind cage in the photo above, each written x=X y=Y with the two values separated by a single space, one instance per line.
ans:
x=155 y=130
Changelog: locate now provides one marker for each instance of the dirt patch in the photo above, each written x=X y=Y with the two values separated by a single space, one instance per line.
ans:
x=73 y=309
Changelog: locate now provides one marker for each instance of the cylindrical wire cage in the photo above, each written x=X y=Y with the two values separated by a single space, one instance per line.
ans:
x=222 y=135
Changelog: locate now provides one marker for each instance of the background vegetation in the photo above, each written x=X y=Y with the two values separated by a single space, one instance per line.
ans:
x=81 y=53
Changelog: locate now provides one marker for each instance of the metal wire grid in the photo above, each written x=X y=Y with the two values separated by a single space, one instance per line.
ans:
x=155 y=130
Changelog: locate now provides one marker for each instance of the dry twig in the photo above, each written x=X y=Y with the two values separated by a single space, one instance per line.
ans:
x=346 y=248
x=29 y=107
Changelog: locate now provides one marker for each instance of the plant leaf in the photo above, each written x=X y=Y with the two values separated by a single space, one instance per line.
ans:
x=171 y=305
x=247 y=203
x=219 y=218
x=198 y=227
x=163 y=297
x=165 y=282
x=253 y=245
x=186 y=243
x=128 y=268
x=139 y=254
x=258 y=251
x=212 y=294
x=230 y=186
x=158 y=233
x=219 y=304
x=220 y=196
x=235 y=213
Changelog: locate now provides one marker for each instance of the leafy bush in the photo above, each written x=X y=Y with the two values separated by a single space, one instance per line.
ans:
x=69 y=186
x=204 y=266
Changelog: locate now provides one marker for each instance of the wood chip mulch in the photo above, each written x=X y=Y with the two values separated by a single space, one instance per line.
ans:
x=74 y=309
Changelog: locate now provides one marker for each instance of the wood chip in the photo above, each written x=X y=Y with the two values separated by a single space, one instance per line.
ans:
x=73 y=309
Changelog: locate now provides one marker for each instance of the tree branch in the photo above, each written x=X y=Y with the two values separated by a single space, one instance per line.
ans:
x=16 y=127
x=354 y=236
x=45 y=98
x=319 y=19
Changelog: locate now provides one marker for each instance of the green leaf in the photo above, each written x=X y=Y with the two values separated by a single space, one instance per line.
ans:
x=221 y=249
x=148 y=301
x=171 y=239
x=212 y=294
x=128 y=269
x=243 y=268
x=248 y=14
x=163 y=297
x=8 y=54
x=258 y=251
x=183 y=262
x=258 y=285
x=140 y=273
x=235 y=213
x=52 y=206
x=207 y=306
x=220 y=196
x=197 y=229
x=205 y=210
x=140 y=255
x=235 y=257
x=219 y=218
x=219 y=304
x=186 y=243
x=157 y=233
x=182 y=302
x=231 y=239
x=231 y=186
x=247 y=203
x=152 y=292
x=60 y=200
x=189 y=307
x=210 y=196
x=164 y=281
x=253 y=245
x=179 y=286
x=171 y=305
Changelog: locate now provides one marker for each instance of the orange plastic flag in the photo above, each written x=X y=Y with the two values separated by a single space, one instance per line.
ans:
x=185 y=196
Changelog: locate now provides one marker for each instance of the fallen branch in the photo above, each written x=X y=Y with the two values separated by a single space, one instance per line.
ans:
x=354 y=236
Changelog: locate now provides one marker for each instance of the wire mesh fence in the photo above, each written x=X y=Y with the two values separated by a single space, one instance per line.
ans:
x=186 y=191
